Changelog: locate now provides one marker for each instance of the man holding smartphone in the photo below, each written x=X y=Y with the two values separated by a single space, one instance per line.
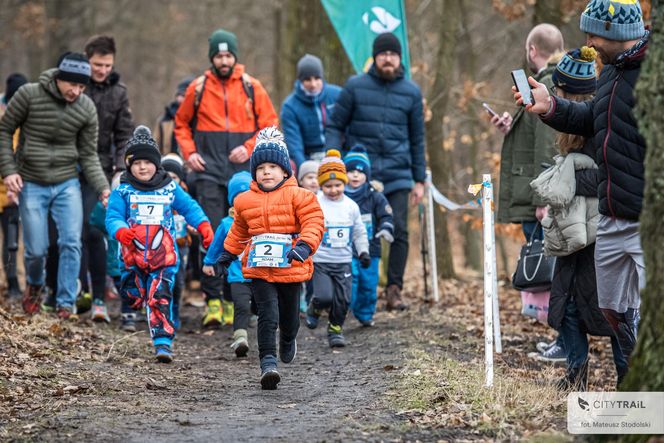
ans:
x=617 y=32
x=528 y=143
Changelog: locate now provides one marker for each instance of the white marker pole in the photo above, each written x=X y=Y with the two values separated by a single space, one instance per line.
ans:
x=494 y=275
x=489 y=277
x=432 y=240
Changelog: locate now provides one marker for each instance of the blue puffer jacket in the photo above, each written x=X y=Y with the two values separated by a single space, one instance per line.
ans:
x=376 y=214
x=387 y=118
x=304 y=117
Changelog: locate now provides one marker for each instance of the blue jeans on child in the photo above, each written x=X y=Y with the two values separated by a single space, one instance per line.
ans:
x=365 y=283
x=63 y=201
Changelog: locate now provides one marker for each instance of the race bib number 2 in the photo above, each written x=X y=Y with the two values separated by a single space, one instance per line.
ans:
x=148 y=209
x=269 y=251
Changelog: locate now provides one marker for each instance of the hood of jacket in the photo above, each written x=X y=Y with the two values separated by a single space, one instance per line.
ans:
x=301 y=94
x=47 y=81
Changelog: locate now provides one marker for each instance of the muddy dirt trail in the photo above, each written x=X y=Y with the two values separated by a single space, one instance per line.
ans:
x=208 y=394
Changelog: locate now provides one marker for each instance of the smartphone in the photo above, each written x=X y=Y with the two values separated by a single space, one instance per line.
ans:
x=488 y=109
x=521 y=83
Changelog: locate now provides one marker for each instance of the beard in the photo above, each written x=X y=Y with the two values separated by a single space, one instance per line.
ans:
x=388 y=74
x=224 y=71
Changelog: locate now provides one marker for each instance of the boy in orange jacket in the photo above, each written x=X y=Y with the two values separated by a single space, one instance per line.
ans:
x=277 y=227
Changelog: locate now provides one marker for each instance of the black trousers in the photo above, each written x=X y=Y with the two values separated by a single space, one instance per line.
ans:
x=213 y=198
x=396 y=264
x=9 y=217
x=241 y=295
x=277 y=304
x=332 y=286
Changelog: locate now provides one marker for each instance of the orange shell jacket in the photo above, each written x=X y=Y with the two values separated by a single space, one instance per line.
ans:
x=224 y=121
x=286 y=210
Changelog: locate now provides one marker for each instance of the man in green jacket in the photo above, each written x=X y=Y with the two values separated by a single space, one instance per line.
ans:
x=529 y=143
x=58 y=136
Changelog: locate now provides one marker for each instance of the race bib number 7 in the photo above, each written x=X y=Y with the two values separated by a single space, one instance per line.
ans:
x=148 y=209
x=269 y=251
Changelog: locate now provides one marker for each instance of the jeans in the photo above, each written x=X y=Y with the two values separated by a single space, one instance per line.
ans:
x=63 y=202
x=213 y=199
x=278 y=304
x=396 y=264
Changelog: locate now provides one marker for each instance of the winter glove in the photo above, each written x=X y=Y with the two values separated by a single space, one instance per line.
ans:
x=365 y=260
x=125 y=236
x=387 y=235
x=207 y=233
x=226 y=259
x=300 y=252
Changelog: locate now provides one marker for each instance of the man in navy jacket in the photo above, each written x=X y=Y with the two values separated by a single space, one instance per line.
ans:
x=382 y=110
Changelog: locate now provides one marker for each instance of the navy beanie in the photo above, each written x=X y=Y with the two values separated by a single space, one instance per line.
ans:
x=14 y=81
x=270 y=148
x=358 y=160
x=575 y=72
x=74 y=67
x=613 y=20
x=141 y=146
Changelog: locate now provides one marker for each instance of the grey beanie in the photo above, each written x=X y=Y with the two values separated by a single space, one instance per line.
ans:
x=307 y=167
x=621 y=21
x=309 y=66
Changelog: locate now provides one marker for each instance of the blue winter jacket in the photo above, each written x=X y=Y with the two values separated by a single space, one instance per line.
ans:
x=376 y=214
x=119 y=212
x=303 y=119
x=387 y=118
x=217 y=247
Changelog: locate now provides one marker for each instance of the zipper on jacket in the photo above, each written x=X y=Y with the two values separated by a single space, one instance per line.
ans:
x=223 y=87
x=606 y=142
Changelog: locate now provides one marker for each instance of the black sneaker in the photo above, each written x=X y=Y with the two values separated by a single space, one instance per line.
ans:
x=312 y=317
x=334 y=336
x=270 y=377
x=287 y=350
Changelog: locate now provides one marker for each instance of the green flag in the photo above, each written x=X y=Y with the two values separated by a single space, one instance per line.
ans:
x=358 y=22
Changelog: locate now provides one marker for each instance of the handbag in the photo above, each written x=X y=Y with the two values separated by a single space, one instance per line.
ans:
x=534 y=270
x=535 y=305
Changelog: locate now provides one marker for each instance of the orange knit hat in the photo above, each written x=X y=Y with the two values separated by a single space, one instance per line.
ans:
x=332 y=167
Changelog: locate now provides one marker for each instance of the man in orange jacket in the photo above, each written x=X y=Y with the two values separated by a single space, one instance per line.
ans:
x=216 y=127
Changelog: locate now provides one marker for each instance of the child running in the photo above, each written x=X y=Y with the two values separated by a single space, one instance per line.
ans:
x=240 y=287
x=307 y=178
x=277 y=227
x=343 y=228
x=377 y=217
x=140 y=216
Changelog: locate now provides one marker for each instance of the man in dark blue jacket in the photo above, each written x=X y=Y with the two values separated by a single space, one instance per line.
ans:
x=617 y=32
x=382 y=111
x=307 y=110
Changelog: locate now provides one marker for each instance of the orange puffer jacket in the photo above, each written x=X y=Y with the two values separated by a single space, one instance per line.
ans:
x=286 y=210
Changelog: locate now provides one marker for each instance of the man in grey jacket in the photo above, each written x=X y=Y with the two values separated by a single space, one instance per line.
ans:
x=58 y=126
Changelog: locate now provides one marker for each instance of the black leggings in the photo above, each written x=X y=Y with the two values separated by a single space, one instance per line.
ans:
x=9 y=217
x=278 y=304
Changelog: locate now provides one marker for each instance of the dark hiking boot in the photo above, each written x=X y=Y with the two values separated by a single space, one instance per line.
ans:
x=270 y=377
x=32 y=299
x=287 y=350
x=393 y=296
x=335 y=337
x=13 y=290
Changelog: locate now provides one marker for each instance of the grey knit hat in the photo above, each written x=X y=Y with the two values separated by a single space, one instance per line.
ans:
x=613 y=20
x=307 y=167
x=309 y=66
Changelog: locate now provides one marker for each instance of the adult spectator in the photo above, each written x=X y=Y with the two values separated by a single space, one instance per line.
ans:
x=617 y=32
x=306 y=111
x=527 y=145
x=165 y=130
x=8 y=208
x=382 y=110
x=115 y=128
x=216 y=127
x=59 y=134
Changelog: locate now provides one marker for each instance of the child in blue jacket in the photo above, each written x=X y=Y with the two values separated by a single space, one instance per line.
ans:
x=240 y=286
x=140 y=217
x=377 y=217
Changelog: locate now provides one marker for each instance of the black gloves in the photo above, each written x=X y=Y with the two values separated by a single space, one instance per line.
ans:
x=365 y=260
x=300 y=252
x=226 y=259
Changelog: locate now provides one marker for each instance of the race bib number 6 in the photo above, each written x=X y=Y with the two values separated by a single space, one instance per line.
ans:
x=148 y=209
x=269 y=251
x=337 y=236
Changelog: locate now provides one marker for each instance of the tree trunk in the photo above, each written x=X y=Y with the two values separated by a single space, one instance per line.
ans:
x=548 y=11
x=648 y=359
x=439 y=159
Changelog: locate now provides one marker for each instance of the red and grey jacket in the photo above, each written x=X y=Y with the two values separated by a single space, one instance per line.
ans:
x=225 y=118
x=609 y=119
